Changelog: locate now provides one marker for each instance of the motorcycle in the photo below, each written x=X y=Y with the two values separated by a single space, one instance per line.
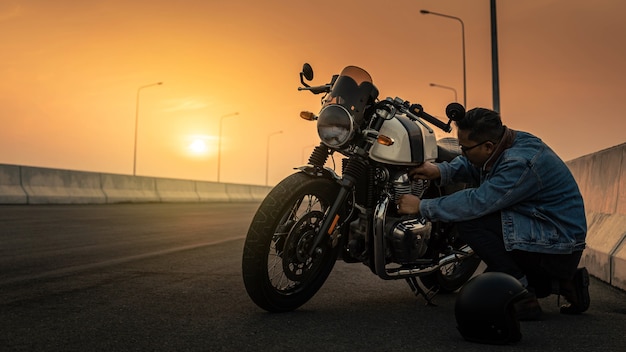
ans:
x=315 y=216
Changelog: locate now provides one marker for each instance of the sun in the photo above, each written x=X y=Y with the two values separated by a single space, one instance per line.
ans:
x=198 y=146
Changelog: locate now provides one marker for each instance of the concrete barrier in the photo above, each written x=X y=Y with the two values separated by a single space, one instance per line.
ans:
x=11 y=191
x=239 y=193
x=211 y=192
x=604 y=235
x=129 y=189
x=259 y=192
x=618 y=277
x=51 y=186
x=601 y=177
x=35 y=185
x=175 y=190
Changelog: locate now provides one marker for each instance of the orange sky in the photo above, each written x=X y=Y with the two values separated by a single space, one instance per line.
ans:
x=70 y=71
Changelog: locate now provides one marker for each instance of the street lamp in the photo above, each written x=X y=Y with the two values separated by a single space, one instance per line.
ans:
x=426 y=12
x=137 y=122
x=267 y=155
x=456 y=99
x=219 y=144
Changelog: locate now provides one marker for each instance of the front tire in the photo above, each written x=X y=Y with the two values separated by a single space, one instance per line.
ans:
x=279 y=274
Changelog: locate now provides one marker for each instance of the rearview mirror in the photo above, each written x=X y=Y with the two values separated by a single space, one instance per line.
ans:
x=307 y=72
x=455 y=111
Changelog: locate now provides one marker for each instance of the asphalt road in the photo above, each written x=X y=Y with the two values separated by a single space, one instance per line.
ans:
x=167 y=277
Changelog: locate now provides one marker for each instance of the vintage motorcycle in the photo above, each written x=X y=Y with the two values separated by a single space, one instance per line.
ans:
x=315 y=216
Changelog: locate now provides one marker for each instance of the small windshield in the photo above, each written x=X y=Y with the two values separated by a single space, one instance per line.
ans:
x=358 y=74
x=353 y=89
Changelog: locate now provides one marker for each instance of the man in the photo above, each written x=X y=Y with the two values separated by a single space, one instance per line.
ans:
x=524 y=217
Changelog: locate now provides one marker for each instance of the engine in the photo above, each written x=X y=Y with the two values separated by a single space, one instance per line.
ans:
x=402 y=185
x=407 y=236
x=408 y=240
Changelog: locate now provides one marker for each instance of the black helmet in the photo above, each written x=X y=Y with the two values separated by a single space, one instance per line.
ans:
x=484 y=308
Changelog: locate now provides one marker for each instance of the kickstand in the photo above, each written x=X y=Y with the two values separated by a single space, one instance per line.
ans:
x=418 y=289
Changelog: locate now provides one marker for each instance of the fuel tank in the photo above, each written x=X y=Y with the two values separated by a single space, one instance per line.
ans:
x=412 y=144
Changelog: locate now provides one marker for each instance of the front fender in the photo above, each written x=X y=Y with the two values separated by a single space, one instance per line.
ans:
x=319 y=172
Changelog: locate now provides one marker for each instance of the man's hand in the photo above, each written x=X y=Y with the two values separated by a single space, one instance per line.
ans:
x=426 y=171
x=408 y=204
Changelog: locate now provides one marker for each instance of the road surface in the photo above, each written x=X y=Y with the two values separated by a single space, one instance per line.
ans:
x=167 y=277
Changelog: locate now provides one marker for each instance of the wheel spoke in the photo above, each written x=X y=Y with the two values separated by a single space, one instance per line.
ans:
x=296 y=214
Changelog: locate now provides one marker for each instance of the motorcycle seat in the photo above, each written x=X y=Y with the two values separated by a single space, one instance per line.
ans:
x=447 y=149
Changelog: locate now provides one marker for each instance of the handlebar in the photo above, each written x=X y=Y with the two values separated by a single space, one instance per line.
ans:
x=318 y=89
x=419 y=111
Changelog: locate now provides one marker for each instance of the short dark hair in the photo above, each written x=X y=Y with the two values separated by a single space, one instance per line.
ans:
x=482 y=124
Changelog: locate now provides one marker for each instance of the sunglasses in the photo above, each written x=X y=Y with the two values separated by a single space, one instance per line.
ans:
x=465 y=149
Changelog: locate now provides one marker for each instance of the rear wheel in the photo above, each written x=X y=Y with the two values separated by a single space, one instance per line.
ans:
x=451 y=277
x=280 y=273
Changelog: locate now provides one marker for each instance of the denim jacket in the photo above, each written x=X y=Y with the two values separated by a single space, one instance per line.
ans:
x=541 y=206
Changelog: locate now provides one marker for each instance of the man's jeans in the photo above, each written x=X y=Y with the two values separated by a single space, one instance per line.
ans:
x=542 y=270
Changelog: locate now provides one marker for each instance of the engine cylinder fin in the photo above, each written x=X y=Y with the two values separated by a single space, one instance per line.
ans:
x=418 y=187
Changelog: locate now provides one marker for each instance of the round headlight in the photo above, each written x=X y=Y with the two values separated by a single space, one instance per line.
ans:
x=335 y=126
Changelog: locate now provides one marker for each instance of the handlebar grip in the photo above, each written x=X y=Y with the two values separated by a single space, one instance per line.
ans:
x=419 y=111
x=318 y=89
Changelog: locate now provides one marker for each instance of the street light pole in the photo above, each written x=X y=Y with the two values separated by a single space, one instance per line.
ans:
x=426 y=12
x=267 y=156
x=494 y=58
x=456 y=99
x=137 y=123
x=219 y=144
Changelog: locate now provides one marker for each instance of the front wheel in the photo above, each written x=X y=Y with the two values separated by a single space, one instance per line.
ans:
x=279 y=272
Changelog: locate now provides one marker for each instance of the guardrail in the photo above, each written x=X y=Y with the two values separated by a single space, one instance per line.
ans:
x=36 y=185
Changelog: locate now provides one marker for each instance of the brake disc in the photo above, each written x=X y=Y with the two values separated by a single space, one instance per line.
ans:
x=297 y=261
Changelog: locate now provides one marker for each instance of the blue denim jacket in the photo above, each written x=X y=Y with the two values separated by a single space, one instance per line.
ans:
x=541 y=206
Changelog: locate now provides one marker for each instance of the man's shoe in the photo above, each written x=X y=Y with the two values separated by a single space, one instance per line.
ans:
x=576 y=292
x=528 y=308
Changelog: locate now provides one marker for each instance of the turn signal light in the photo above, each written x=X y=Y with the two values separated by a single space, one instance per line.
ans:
x=307 y=115
x=384 y=140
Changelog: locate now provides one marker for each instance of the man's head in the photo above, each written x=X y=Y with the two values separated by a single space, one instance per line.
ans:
x=479 y=133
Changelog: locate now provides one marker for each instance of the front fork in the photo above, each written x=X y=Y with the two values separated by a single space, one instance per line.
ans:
x=332 y=216
x=354 y=168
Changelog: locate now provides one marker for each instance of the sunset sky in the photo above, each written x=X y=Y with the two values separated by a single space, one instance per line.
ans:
x=70 y=72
